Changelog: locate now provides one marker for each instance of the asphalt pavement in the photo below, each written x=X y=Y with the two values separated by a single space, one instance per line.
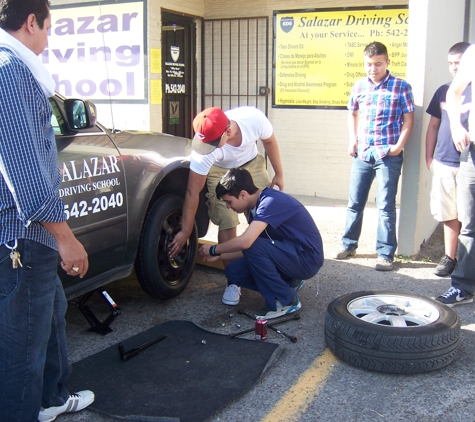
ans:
x=307 y=383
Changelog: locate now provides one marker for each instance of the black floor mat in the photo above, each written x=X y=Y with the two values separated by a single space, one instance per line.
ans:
x=188 y=376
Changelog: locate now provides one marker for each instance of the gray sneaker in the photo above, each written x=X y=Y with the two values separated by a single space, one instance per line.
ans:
x=383 y=264
x=343 y=254
x=446 y=266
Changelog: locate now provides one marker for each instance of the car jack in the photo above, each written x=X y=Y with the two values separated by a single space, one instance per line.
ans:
x=98 y=326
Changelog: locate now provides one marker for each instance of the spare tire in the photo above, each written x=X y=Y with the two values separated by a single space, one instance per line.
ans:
x=392 y=332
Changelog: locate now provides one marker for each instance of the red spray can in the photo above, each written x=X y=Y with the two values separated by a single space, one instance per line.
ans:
x=261 y=329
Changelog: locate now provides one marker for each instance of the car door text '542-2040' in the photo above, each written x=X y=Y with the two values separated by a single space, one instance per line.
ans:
x=97 y=181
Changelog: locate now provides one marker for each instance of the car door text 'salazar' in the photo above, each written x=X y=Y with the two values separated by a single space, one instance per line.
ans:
x=94 y=195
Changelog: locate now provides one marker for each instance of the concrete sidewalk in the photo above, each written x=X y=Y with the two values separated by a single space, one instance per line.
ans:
x=330 y=217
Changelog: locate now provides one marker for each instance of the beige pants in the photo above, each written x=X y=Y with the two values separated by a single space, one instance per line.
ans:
x=218 y=213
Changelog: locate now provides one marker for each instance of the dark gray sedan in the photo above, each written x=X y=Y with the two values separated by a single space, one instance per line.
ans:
x=123 y=196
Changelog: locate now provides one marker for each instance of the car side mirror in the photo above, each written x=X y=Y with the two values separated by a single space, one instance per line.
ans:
x=80 y=114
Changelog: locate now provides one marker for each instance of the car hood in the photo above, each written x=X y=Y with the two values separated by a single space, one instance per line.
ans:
x=167 y=146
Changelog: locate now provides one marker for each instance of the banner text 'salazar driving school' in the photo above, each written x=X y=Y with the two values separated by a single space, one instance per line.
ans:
x=97 y=51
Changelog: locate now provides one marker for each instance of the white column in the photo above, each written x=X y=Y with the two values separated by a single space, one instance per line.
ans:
x=434 y=26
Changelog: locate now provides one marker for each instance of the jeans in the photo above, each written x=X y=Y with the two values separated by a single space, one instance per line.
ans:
x=387 y=171
x=34 y=364
x=271 y=267
x=463 y=277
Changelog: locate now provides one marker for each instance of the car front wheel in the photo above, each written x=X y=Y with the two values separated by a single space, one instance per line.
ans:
x=392 y=332
x=159 y=275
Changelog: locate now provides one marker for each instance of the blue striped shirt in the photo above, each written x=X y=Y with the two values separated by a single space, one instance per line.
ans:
x=381 y=109
x=29 y=174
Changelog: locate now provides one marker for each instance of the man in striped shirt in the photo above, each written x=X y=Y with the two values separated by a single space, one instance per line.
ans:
x=380 y=120
x=33 y=352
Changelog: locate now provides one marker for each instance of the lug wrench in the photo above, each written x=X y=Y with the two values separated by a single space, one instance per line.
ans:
x=293 y=317
x=293 y=339
x=232 y=335
x=134 y=352
x=276 y=321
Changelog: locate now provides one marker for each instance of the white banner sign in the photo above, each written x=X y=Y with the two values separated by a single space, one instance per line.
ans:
x=97 y=52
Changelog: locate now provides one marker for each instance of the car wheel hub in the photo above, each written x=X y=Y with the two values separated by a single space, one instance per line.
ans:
x=178 y=260
x=172 y=268
x=393 y=310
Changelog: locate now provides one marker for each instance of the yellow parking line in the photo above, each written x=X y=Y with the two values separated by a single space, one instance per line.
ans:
x=292 y=405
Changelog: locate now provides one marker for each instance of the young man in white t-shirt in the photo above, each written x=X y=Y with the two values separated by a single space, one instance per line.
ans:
x=463 y=277
x=226 y=140
x=443 y=161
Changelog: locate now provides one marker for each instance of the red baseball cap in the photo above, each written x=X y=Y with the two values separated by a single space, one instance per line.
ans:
x=209 y=126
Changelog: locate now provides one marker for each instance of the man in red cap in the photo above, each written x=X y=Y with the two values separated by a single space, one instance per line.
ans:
x=226 y=140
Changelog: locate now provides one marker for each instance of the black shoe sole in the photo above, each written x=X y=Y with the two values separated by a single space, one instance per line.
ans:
x=443 y=274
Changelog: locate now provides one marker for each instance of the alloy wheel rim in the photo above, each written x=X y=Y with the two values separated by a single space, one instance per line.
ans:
x=393 y=310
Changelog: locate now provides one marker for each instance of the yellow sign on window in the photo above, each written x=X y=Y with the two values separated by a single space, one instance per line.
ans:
x=155 y=91
x=155 y=60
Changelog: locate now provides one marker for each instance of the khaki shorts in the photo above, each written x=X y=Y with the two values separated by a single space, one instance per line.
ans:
x=218 y=213
x=443 y=195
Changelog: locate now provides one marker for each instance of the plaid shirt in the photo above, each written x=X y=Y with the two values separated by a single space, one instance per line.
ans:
x=381 y=108
x=29 y=174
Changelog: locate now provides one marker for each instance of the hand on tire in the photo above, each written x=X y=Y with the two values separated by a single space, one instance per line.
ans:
x=176 y=245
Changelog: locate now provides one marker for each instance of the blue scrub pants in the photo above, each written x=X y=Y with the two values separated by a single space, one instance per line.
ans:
x=271 y=268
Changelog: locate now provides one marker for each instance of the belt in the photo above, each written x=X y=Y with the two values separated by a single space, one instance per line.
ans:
x=245 y=164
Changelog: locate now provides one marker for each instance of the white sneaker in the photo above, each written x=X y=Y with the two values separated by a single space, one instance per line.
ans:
x=231 y=295
x=75 y=403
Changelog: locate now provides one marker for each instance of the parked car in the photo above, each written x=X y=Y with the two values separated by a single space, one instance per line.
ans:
x=123 y=194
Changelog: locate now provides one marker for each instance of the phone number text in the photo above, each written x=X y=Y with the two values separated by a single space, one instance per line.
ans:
x=98 y=204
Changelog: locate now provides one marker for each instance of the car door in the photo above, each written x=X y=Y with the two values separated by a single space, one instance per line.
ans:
x=94 y=194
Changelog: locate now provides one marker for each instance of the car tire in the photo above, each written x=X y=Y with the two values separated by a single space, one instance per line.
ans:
x=392 y=332
x=160 y=276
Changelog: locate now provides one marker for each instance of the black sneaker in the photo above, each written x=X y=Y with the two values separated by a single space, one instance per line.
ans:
x=445 y=267
x=453 y=297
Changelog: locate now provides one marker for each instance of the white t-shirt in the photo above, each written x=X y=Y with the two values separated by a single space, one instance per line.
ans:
x=466 y=70
x=254 y=125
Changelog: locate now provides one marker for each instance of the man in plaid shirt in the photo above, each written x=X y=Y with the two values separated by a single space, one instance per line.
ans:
x=34 y=364
x=380 y=120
